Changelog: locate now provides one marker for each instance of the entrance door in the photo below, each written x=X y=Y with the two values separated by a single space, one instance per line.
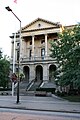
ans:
x=26 y=73
x=52 y=69
x=39 y=73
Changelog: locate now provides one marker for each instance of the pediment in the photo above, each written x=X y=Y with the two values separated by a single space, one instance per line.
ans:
x=39 y=24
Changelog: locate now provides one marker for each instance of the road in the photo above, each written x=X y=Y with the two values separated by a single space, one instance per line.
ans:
x=18 y=114
x=39 y=103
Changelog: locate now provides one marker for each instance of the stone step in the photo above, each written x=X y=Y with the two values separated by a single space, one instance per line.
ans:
x=30 y=93
x=34 y=86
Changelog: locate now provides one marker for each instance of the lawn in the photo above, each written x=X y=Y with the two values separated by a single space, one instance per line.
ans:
x=72 y=98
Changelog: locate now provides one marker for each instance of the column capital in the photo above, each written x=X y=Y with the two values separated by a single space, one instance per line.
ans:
x=33 y=35
x=45 y=34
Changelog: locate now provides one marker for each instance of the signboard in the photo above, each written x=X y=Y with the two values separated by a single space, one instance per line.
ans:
x=14 y=78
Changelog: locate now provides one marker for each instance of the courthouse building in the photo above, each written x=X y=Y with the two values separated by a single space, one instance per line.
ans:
x=35 y=61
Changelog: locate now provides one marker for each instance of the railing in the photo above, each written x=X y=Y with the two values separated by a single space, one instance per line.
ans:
x=34 y=86
x=35 y=59
x=30 y=84
x=43 y=58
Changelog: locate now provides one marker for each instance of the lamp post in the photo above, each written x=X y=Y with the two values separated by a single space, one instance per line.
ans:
x=10 y=10
x=13 y=63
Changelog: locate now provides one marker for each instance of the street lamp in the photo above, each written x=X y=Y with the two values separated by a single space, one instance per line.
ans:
x=10 y=10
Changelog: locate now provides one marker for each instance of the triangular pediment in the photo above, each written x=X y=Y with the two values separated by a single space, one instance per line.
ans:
x=39 y=24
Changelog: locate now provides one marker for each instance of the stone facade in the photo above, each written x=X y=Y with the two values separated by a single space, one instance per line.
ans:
x=35 y=61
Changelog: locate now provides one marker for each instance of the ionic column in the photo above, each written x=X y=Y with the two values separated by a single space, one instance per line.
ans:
x=20 y=48
x=45 y=44
x=33 y=46
x=23 y=48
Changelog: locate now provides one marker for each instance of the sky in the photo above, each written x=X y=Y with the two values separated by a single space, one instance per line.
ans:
x=67 y=12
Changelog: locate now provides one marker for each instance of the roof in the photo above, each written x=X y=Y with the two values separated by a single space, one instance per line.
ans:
x=57 y=24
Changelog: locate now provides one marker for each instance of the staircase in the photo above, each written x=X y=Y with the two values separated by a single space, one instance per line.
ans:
x=48 y=85
x=22 y=88
x=34 y=86
x=27 y=88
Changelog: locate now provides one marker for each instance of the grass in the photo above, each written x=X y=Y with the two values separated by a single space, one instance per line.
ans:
x=72 y=98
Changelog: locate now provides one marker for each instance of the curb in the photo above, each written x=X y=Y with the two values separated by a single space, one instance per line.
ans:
x=24 y=108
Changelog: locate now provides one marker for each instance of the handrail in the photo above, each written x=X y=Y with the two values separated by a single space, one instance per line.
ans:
x=40 y=83
x=32 y=81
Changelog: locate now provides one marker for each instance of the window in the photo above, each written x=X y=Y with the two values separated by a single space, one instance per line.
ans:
x=17 y=55
x=39 y=25
x=17 y=44
x=30 y=53
x=42 y=41
x=31 y=42
x=16 y=69
x=42 y=53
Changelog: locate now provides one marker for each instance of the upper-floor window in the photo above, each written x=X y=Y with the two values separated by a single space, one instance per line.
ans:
x=16 y=69
x=42 y=53
x=39 y=25
x=31 y=42
x=17 y=44
x=18 y=55
x=42 y=41
x=30 y=53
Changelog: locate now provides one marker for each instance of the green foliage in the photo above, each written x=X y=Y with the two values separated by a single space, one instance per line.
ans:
x=74 y=98
x=4 y=72
x=0 y=54
x=66 y=50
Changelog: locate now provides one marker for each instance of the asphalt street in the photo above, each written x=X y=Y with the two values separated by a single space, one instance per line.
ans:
x=18 y=114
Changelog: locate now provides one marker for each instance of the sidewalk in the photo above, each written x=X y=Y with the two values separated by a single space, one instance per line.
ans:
x=39 y=103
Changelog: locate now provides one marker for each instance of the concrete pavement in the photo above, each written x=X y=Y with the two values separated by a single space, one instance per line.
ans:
x=52 y=103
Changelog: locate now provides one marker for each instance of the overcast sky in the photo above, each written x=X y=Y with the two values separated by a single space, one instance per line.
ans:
x=67 y=12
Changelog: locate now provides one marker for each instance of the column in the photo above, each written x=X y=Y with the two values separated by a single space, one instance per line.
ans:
x=33 y=47
x=23 y=48
x=13 y=63
x=20 y=47
x=14 y=53
x=46 y=45
x=45 y=73
x=32 y=72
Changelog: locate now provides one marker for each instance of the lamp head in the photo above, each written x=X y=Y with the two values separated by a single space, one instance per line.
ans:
x=8 y=8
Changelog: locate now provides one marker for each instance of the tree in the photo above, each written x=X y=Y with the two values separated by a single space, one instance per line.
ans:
x=66 y=51
x=4 y=72
x=0 y=54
